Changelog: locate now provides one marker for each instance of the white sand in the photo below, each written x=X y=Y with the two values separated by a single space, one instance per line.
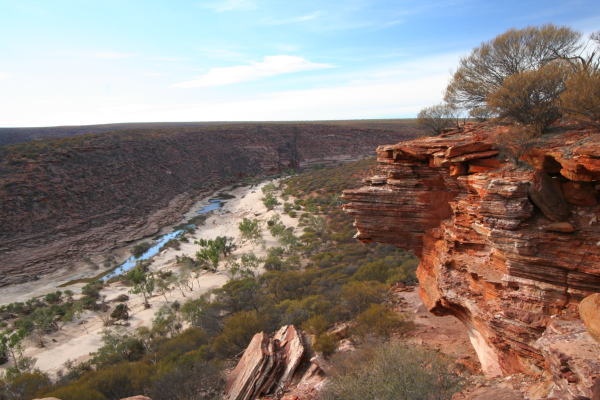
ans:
x=79 y=338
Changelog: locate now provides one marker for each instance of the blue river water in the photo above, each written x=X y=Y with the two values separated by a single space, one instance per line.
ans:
x=213 y=204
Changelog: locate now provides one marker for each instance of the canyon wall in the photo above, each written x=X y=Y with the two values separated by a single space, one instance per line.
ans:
x=64 y=200
x=509 y=248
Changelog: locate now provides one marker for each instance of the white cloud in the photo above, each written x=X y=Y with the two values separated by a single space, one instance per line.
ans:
x=111 y=55
x=295 y=20
x=232 y=5
x=4 y=75
x=394 y=90
x=269 y=66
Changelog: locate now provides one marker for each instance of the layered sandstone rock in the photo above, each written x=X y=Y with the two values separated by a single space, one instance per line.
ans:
x=505 y=248
x=269 y=366
x=128 y=398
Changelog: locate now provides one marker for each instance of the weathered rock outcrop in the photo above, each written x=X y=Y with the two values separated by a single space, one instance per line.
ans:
x=128 y=398
x=67 y=199
x=589 y=311
x=505 y=248
x=269 y=366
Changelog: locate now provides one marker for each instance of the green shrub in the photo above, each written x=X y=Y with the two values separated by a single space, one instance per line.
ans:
x=270 y=201
x=203 y=314
x=188 y=340
x=172 y=244
x=238 y=329
x=25 y=386
x=378 y=320
x=325 y=344
x=358 y=296
x=237 y=295
x=121 y=312
x=316 y=324
x=121 y=380
x=274 y=261
x=77 y=391
x=117 y=348
x=139 y=249
x=199 y=380
x=250 y=230
x=53 y=298
x=391 y=371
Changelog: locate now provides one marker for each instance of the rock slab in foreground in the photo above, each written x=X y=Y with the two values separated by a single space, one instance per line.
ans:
x=268 y=365
x=128 y=398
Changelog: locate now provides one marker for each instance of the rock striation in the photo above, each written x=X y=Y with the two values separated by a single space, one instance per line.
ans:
x=269 y=366
x=508 y=248
x=69 y=199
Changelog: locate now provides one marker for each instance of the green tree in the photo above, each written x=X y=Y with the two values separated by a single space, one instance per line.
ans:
x=250 y=230
x=210 y=251
x=143 y=283
x=203 y=314
x=270 y=201
x=11 y=343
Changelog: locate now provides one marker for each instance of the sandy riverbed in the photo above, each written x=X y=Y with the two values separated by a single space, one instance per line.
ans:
x=77 y=339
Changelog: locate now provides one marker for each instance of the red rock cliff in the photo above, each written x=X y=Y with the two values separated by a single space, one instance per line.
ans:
x=507 y=249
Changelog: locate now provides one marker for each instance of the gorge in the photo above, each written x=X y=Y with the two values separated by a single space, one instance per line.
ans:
x=66 y=201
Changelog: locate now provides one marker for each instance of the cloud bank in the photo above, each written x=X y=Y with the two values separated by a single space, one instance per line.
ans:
x=269 y=66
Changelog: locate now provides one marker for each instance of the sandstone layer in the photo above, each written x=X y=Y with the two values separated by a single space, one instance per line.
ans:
x=64 y=200
x=269 y=366
x=507 y=247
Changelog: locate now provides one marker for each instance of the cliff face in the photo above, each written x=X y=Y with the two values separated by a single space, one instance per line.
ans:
x=508 y=249
x=65 y=199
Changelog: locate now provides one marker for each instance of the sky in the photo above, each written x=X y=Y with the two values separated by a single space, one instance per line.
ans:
x=74 y=62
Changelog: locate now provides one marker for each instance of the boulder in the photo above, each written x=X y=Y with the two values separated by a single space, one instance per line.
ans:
x=267 y=366
x=589 y=311
x=137 y=398
x=48 y=398
x=545 y=192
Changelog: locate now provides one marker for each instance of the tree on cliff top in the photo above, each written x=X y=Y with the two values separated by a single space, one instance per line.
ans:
x=581 y=98
x=437 y=118
x=516 y=51
x=530 y=97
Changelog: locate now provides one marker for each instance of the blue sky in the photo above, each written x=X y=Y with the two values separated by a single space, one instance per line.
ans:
x=68 y=62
